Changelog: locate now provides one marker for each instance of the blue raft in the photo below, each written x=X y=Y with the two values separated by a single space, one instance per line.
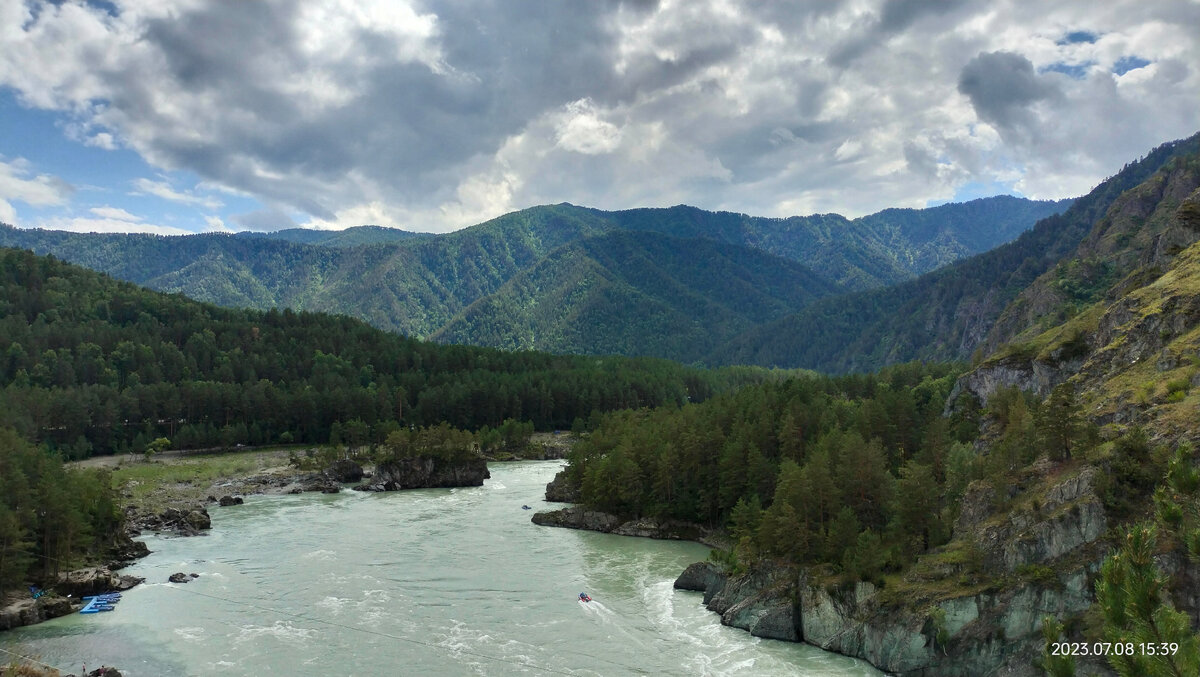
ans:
x=97 y=603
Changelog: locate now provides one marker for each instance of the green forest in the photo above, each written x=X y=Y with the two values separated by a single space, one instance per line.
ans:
x=90 y=365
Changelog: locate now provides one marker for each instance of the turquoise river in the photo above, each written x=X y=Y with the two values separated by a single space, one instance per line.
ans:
x=427 y=582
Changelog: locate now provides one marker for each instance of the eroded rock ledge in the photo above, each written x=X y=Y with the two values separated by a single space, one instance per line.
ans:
x=578 y=517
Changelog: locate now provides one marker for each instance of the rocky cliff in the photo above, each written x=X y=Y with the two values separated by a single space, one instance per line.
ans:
x=972 y=607
x=425 y=472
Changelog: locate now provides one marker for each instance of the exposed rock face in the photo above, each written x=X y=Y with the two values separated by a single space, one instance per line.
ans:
x=183 y=522
x=995 y=632
x=125 y=549
x=760 y=602
x=1031 y=376
x=93 y=581
x=32 y=611
x=703 y=577
x=427 y=471
x=579 y=517
x=344 y=471
x=1070 y=516
x=561 y=491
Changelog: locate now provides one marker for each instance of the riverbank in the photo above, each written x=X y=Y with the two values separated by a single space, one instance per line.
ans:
x=460 y=578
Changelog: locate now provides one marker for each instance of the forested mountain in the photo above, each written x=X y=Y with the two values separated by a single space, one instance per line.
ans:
x=637 y=293
x=418 y=284
x=92 y=365
x=945 y=314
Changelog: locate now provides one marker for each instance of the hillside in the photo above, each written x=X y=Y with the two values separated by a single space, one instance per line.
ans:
x=417 y=284
x=942 y=315
x=637 y=294
x=90 y=365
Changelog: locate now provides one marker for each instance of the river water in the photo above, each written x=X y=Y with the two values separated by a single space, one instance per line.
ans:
x=425 y=582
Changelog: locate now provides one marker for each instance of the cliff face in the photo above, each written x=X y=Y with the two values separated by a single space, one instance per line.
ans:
x=425 y=472
x=951 y=614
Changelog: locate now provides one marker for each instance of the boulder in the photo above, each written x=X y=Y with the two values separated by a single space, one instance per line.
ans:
x=198 y=519
x=178 y=577
x=226 y=501
x=344 y=471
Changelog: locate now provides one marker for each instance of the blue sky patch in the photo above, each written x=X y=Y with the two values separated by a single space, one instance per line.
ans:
x=1129 y=63
x=1076 y=37
x=1077 y=71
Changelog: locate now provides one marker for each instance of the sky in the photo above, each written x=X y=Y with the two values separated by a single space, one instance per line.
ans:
x=211 y=115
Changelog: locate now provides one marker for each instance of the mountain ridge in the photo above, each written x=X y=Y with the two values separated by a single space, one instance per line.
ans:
x=419 y=284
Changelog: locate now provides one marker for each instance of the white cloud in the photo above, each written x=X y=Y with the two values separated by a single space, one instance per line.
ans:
x=106 y=225
x=115 y=214
x=165 y=191
x=18 y=182
x=101 y=140
x=581 y=130
x=216 y=224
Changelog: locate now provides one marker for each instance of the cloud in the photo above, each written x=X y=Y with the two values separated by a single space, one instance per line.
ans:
x=215 y=224
x=115 y=213
x=1002 y=86
x=265 y=220
x=164 y=190
x=18 y=182
x=434 y=115
x=106 y=225
x=101 y=140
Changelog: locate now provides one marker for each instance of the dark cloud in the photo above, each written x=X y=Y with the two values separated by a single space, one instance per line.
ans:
x=894 y=17
x=1001 y=87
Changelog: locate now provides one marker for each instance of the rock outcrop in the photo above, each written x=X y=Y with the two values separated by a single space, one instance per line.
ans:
x=559 y=490
x=760 y=602
x=344 y=471
x=187 y=521
x=425 y=472
x=93 y=581
x=1042 y=558
x=579 y=517
x=32 y=611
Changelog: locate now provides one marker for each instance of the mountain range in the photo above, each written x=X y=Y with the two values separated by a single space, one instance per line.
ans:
x=678 y=282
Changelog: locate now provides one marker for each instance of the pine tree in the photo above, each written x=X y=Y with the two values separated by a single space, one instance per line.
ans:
x=1130 y=594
